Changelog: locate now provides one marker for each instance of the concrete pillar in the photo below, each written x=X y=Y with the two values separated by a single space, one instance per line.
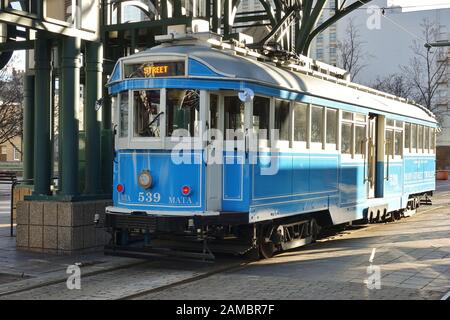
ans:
x=42 y=145
x=70 y=84
x=28 y=127
x=94 y=80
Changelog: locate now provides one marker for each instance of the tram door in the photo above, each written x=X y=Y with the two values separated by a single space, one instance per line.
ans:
x=372 y=156
x=214 y=154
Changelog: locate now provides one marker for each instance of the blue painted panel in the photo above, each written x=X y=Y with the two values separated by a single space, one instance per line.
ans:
x=236 y=183
x=279 y=184
x=297 y=206
x=323 y=174
x=352 y=185
x=300 y=174
x=168 y=181
x=233 y=182
x=197 y=69
x=394 y=184
x=380 y=174
x=419 y=174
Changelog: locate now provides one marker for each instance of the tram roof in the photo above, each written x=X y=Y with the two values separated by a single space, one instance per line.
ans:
x=238 y=67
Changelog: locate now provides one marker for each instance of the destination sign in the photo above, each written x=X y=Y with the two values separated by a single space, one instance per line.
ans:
x=155 y=70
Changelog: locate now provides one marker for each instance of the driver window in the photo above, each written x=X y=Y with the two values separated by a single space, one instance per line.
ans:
x=234 y=116
x=183 y=111
x=147 y=113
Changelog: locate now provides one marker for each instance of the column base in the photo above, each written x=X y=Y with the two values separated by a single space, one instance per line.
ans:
x=61 y=228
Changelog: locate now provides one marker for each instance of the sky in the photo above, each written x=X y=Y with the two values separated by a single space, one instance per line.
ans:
x=390 y=45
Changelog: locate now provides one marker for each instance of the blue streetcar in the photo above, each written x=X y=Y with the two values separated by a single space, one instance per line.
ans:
x=342 y=152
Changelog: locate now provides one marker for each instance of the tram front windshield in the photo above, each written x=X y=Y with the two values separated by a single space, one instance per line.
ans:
x=182 y=112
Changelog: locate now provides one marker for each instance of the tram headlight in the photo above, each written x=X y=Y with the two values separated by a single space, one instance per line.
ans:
x=145 y=179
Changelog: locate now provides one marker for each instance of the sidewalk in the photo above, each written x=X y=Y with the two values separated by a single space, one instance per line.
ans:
x=24 y=269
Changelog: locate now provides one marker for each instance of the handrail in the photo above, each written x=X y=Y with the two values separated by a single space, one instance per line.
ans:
x=388 y=157
x=363 y=147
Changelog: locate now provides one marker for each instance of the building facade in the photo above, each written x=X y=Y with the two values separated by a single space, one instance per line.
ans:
x=11 y=151
x=324 y=46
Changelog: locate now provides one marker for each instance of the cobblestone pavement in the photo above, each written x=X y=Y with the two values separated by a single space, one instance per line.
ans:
x=413 y=256
x=119 y=283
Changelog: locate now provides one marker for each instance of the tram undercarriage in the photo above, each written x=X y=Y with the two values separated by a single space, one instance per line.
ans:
x=146 y=236
x=200 y=237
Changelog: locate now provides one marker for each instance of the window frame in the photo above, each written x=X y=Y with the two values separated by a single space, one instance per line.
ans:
x=316 y=146
x=16 y=154
x=354 y=122
x=395 y=129
x=331 y=146
x=302 y=145
x=141 y=143
x=420 y=127
x=407 y=150
x=352 y=139
x=282 y=144
x=263 y=144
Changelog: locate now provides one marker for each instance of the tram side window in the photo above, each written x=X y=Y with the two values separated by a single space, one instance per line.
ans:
x=261 y=115
x=360 y=139
x=282 y=119
x=389 y=142
x=214 y=109
x=123 y=115
x=407 y=136
x=394 y=137
x=420 y=139
x=427 y=139
x=414 y=137
x=234 y=115
x=331 y=126
x=346 y=139
x=147 y=113
x=316 y=124
x=300 y=122
x=183 y=111
x=398 y=143
x=433 y=140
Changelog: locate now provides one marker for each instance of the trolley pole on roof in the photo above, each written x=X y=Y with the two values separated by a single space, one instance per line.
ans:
x=437 y=44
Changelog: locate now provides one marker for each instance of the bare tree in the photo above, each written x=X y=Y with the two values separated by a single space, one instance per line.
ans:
x=11 y=96
x=427 y=68
x=394 y=83
x=351 y=53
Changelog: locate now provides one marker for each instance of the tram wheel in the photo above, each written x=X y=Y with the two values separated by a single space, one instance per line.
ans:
x=315 y=229
x=265 y=245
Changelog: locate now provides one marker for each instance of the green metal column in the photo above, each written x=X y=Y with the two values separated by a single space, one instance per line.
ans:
x=70 y=84
x=42 y=160
x=28 y=127
x=94 y=80
x=107 y=142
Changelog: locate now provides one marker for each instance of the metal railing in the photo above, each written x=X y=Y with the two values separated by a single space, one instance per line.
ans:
x=10 y=178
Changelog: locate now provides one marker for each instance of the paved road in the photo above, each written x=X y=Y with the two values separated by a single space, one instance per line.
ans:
x=413 y=257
